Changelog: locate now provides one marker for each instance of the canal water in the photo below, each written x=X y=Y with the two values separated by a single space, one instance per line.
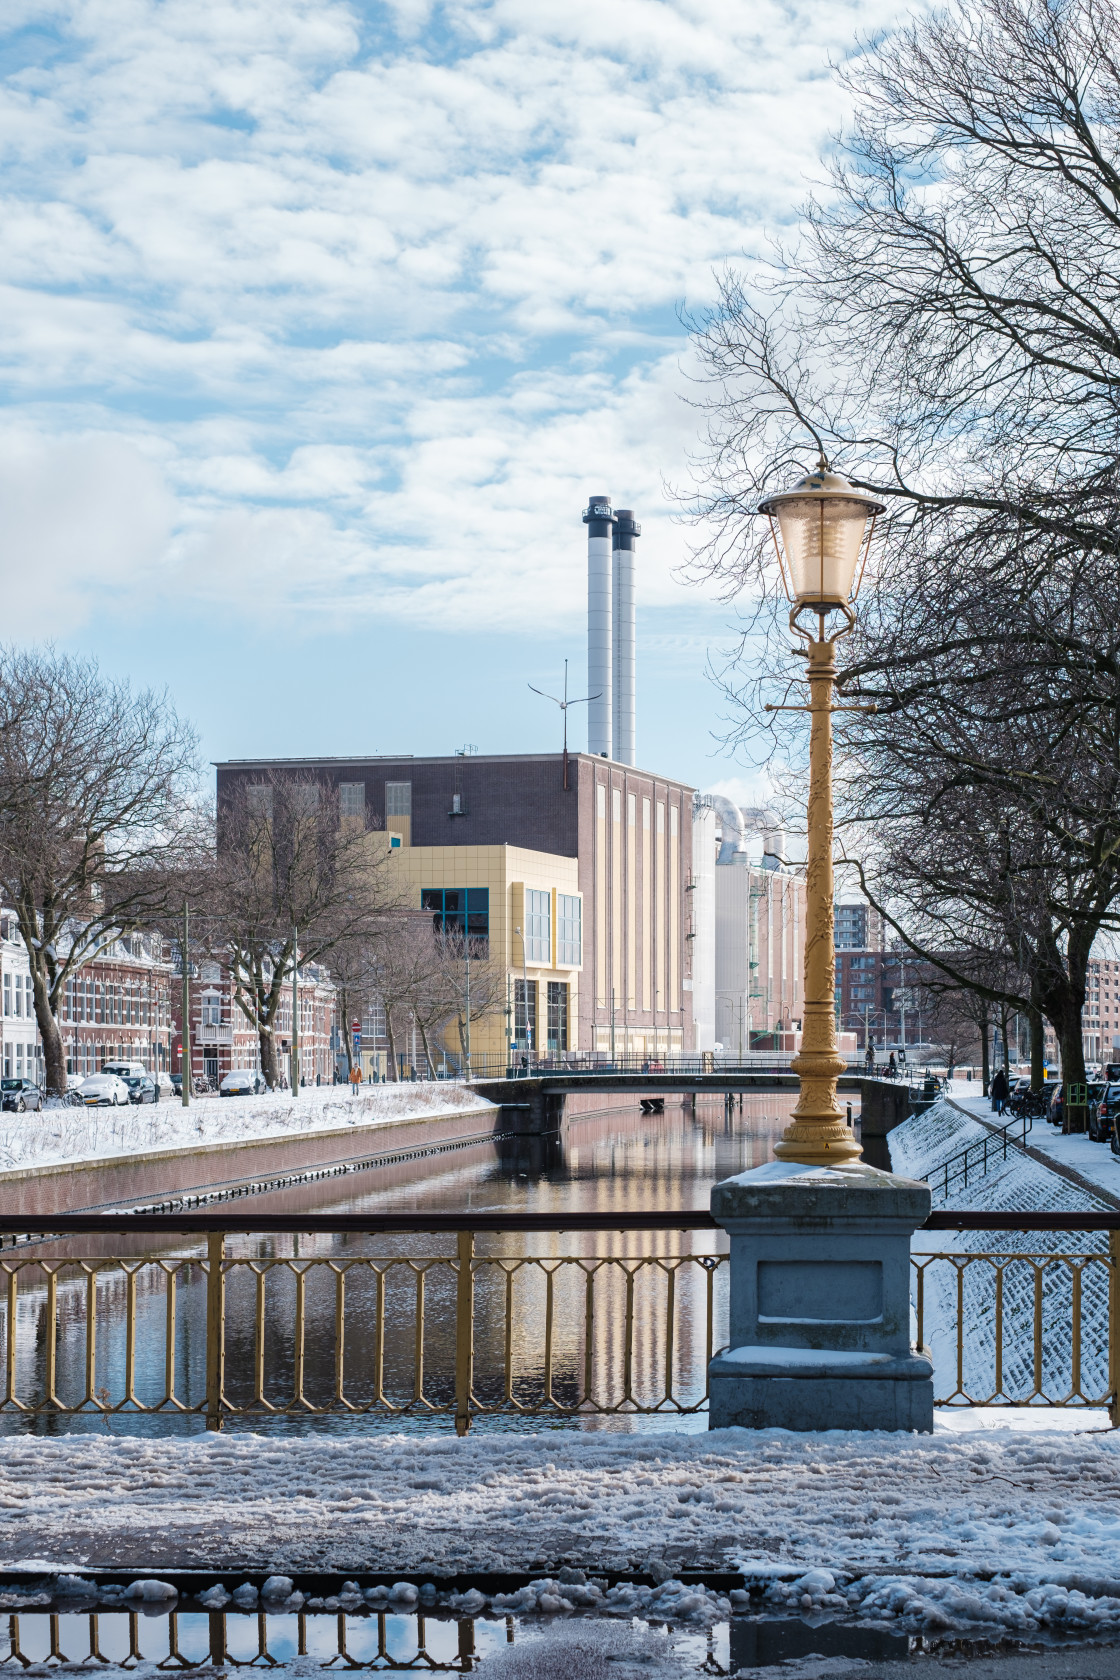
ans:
x=584 y=1330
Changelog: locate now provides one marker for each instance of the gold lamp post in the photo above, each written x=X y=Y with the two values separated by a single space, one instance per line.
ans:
x=825 y=527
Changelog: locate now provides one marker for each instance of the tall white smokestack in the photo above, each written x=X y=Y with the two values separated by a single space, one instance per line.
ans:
x=624 y=707
x=599 y=520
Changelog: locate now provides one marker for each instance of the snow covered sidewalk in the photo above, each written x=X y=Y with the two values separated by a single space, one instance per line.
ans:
x=1027 y=1508
x=96 y=1134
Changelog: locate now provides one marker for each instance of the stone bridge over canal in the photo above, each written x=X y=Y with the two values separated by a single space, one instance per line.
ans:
x=534 y=1104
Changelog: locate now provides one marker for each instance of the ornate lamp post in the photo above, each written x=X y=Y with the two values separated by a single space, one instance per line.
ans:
x=825 y=527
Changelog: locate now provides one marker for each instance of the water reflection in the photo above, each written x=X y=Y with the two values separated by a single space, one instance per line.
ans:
x=621 y=1318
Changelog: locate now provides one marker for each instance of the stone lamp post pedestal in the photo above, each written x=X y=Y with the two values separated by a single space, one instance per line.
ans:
x=820 y=1300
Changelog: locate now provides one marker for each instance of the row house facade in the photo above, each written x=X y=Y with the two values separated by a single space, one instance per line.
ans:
x=117 y=1007
x=223 y=1041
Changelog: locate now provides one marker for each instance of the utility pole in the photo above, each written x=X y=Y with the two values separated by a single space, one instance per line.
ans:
x=185 y=1053
x=295 y=1011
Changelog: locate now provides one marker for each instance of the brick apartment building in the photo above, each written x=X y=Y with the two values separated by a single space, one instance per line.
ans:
x=580 y=890
x=222 y=1040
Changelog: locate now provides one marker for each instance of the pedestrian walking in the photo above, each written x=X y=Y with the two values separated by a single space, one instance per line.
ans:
x=869 y=1060
x=999 y=1091
x=892 y=1067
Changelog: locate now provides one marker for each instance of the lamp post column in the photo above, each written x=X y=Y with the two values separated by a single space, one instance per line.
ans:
x=819 y=1131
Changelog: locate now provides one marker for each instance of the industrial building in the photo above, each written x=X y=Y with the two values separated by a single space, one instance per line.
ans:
x=575 y=870
x=759 y=932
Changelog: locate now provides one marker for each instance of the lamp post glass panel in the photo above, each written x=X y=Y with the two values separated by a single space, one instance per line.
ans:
x=824 y=527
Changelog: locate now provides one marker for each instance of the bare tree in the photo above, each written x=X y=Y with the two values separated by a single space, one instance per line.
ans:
x=97 y=817
x=947 y=328
x=293 y=881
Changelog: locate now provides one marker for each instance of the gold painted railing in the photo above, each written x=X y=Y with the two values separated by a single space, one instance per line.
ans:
x=238 y=1330
x=383 y=1642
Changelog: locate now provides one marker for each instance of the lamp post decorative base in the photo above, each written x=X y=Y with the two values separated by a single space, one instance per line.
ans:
x=820 y=1300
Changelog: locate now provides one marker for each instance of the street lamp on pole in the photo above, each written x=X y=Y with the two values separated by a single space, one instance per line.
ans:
x=825 y=527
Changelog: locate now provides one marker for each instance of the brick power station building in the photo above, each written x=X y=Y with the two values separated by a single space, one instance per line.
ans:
x=582 y=891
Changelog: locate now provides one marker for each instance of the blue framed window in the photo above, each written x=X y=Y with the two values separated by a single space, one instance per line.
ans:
x=461 y=910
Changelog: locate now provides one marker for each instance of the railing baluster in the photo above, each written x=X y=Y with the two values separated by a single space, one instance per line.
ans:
x=464 y=1330
x=507 y=1391
x=339 y=1334
x=10 y=1373
x=258 y=1337
x=130 y=1337
x=50 y=1376
x=299 y=1338
x=999 y=1330
x=549 y=1308
x=1114 y=1328
x=418 y=1347
x=1037 y=1328
x=1075 y=1309
x=589 y=1334
x=170 y=1302
x=628 y=1342
x=88 y=1398
x=670 y=1328
x=379 y=1338
x=215 y=1328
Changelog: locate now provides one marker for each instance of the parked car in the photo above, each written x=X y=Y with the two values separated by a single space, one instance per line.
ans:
x=104 y=1090
x=20 y=1094
x=242 y=1082
x=1103 y=1114
x=164 y=1083
x=125 y=1070
x=177 y=1083
x=141 y=1088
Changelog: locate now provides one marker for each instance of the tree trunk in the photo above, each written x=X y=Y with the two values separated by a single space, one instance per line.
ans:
x=985 y=1054
x=1038 y=1049
x=268 y=1057
x=427 y=1050
x=54 y=1051
x=344 y=1028
x=392 y=1037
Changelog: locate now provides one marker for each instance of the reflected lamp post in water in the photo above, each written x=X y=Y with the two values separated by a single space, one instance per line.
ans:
x=822 y=532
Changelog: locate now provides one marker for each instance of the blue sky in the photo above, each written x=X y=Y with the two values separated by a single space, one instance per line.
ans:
x=322 y=321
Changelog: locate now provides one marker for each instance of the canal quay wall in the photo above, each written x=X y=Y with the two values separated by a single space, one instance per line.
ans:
x=144 y=1157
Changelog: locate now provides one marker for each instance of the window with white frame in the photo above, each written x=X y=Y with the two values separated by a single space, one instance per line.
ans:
x=538 y=926
x=7 y=994
x=211 y=1009
x=569 y=930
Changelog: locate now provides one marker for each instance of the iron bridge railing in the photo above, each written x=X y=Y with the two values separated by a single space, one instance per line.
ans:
x=464 y=1316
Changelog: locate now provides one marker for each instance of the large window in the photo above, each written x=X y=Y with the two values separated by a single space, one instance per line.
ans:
x=524 y=1014
x=569 y=930
x=557 y=1015
x=352 y=799
x=538 y=929
x=462 y=910
x=398 y=799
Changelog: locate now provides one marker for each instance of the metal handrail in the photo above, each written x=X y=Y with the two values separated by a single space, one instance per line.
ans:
x=417 y=1222
x=994 y=1138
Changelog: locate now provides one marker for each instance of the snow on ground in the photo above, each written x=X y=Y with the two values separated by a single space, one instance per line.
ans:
x=1006 y=1293
x=990 y=1529
x=93 y=1134
x=1094 y=1161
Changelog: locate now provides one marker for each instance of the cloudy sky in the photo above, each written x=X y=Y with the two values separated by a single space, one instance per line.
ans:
x=321 y=321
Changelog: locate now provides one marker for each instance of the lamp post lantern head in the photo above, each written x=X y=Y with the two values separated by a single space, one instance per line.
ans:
x=825 y=524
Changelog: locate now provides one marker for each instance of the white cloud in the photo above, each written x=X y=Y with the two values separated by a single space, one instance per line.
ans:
x=374 y=295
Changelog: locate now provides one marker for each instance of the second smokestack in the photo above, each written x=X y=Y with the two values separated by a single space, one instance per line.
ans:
x=624 y=651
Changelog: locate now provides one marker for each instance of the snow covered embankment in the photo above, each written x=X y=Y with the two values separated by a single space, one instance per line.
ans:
x=105 y=1134
x=919 y=1148
x=1014 y=1530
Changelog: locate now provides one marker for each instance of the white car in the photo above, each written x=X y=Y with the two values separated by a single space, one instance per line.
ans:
x=242 y=1082
x=104 y=1090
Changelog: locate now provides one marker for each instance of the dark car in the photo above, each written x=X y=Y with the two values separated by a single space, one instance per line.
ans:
x=20 y=1094
x=177 y=1084
x=141 y=1088
x=1103 y=1114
